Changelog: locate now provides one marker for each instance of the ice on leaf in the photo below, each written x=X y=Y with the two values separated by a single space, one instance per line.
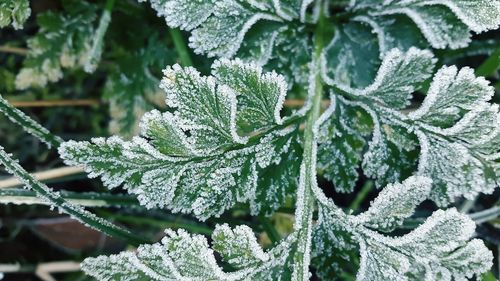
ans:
x=436 y=250
x=132 y=86
x=395 y=203
x=444 y=23
x=334 y=249
x=181 y=256
x=455 y=122
x=261 y=29
x=63 y=41
x=14 y=12
x=341 y=142
x=439 y=249
x=205 y=155
x=378 y=26
x=399 y=75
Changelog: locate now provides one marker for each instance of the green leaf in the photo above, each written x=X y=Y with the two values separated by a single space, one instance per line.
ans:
x=455 y=122
x=395 y=203
x=333 y=247
x=352 y=56
x=29 y=125
x=341 y=142
x=181 y=256
x=14 y=12
x=132 y=86
x=261 y=29
x=439 y=249
x=444 y=23
x=206 y=155
x=64 y=40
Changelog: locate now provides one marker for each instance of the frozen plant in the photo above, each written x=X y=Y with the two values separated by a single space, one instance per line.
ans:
x=226 y=140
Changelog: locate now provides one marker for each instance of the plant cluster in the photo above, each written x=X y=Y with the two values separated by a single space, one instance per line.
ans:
x=395 y=114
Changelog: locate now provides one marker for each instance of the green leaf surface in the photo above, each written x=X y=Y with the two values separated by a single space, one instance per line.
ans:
x=206 y=155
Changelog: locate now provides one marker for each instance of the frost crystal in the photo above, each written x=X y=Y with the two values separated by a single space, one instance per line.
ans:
x=455 y=122
x=14 y=12
x=444 y=23
x=206 y=155
x=439 y=249
x=181 y=256
x=379 y=26
x=258 y=30
x=63 y=41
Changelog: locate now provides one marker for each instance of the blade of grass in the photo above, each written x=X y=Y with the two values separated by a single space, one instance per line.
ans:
x=181 y=47
x=491 y=64
x=56 y=200
x=28 y=124
x=84 y=199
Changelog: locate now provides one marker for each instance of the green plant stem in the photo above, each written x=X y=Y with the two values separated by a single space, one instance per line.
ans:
x=360 y=197
x=58 y=201
x=491 y=64
x=486 y=215
x=176 y=223
x=181 y=47
x=85 y=199
x=271 y=232
x=305 y=197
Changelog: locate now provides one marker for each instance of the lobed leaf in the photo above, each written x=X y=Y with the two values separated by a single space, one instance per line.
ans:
x=376 y=27
x=63 y=41
x=395 y=203
x=181 y=256
x=257 y=30
x=14 y=12
x=433 y=251
x=444 y=23
x=455 y=122
x=195 y=159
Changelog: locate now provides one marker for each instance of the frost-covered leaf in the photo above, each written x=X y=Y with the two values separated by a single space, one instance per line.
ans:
x=63 y=41
x=238 y=247
x=395 y=203
x=341 y=142
x=455 y=123
x=205 y=156
x=439 y=249
x=260 y=31
x=444 y=23
x=181 y=256
x=378 y=26
x=334 y=249
x=352 y=57
x=132 y=86
x=14 y=12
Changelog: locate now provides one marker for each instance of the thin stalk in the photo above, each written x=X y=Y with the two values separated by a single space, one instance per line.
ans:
x=84 y=199
x=44 y=176
x=97 y=45
x=180 y=47
x=360 y=197
x=490 y=65
x=271 y=232
x=14 y=50
x=485 y=215
x=56 y=200
x=28 y=124
x=53 y=103
x=305 y=197
x=162 y=224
